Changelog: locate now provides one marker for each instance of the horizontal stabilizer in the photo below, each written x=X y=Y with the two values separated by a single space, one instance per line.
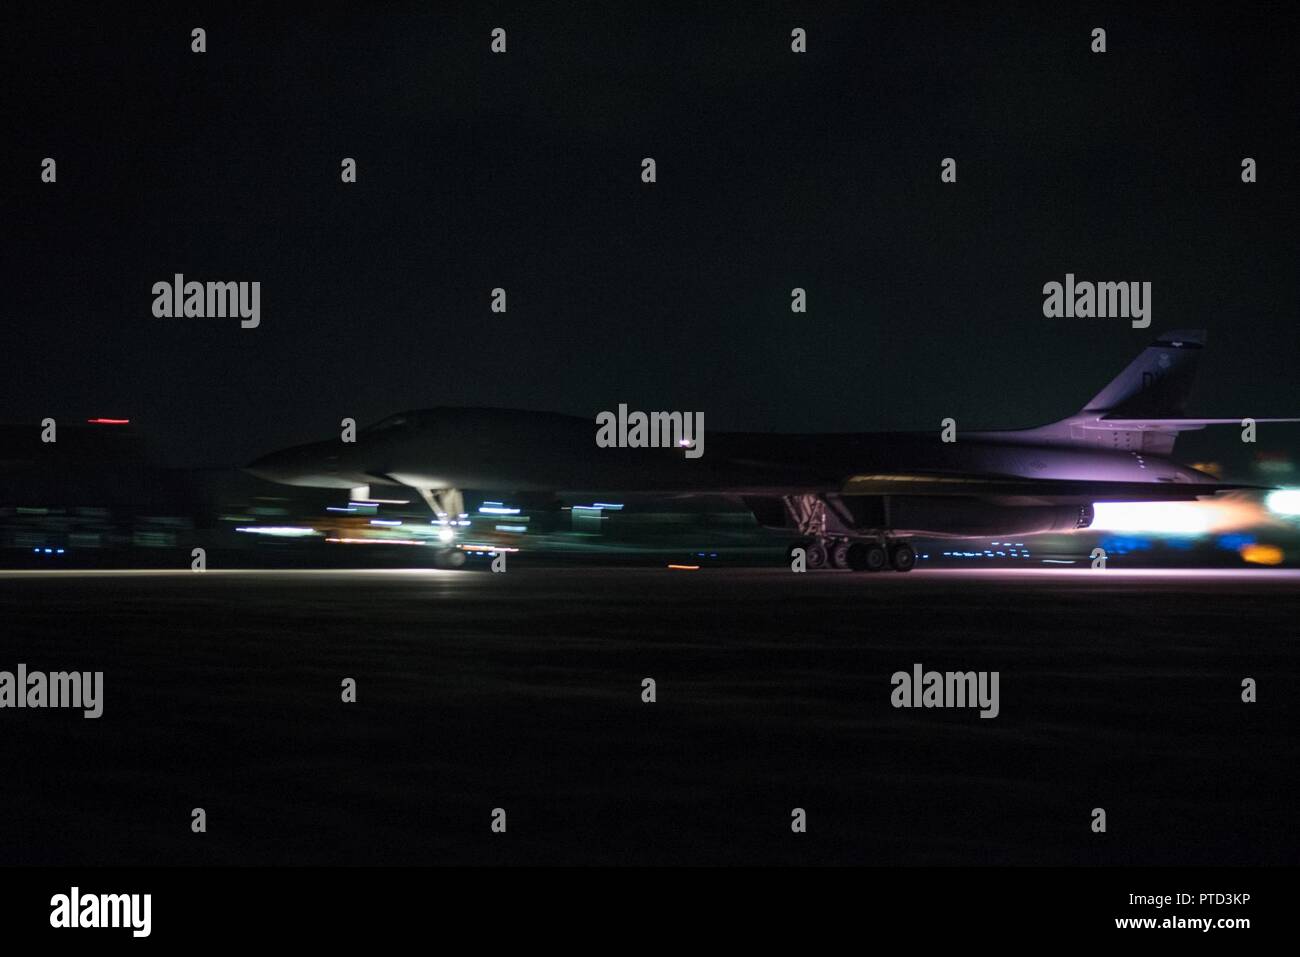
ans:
x=1174 y=425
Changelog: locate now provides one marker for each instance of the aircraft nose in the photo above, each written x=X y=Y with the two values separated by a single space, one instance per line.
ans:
x=276 y=467
x=315 y=466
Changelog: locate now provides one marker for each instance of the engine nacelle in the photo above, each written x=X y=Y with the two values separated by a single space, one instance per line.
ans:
x=928 y=516
x=965 y=518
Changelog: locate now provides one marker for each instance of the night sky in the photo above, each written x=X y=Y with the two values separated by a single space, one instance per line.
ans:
x=522 y=170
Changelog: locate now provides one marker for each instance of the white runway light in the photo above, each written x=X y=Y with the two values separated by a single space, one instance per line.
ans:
x=280 y=531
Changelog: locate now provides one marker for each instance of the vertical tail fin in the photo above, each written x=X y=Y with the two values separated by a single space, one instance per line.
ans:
x=1154 y=387
x=1157 y=383
x=1142 y=409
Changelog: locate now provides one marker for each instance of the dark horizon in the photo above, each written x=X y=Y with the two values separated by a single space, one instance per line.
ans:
x=775 y=170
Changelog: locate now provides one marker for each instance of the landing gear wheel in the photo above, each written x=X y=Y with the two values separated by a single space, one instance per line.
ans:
x=855 y=556
x=839 y=555
x=903 y=557
x=814 y=553
x=876 y=557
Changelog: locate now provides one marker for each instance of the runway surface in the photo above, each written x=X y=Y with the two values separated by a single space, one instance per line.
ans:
x=523 y=691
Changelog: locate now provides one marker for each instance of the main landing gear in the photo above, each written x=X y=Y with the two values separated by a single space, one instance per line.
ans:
x=859 y=555
x=832 y=536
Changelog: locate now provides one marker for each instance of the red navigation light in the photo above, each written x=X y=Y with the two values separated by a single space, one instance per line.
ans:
x=109 y=421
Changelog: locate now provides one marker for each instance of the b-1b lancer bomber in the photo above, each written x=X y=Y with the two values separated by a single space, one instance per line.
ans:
x=850 y=500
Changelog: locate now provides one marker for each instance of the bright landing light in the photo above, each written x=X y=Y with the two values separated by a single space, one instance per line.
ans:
x=445 y=535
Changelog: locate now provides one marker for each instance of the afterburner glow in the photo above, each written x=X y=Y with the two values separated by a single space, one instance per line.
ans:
x=1285 y=501
x=1175 y=518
